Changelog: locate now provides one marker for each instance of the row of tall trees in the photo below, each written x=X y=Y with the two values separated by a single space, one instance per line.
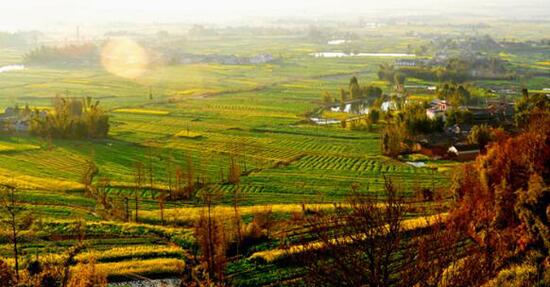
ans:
x=354 y=92
x=179 y=182
x=387 y=72
x=456 y=70
x=75 y=54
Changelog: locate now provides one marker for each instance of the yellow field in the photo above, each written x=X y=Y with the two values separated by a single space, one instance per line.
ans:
x=142 y=112
x=33 y=182
x=186 y=215
x=136 y=251
x=274 y=254
x=150 y=266
x=5 y=146
x=188 y=134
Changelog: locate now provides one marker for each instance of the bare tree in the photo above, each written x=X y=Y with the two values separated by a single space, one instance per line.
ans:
x=13 y=214
x=236 y=200
x=190 y=187
x=179 y=189
x=88 y=174
x=161 y=201
x=139 y=175
x=210 y=234
x=234 y=174
x=357 y=244
x=150 y=168
x=429 y=253
x=170 y=175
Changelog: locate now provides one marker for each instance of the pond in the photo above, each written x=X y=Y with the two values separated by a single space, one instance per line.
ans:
x=357 y=108
x=10 y=68
x=388 y=105
x=337 y=42
x=416 y=163
x=324 y=121
x=342 y=55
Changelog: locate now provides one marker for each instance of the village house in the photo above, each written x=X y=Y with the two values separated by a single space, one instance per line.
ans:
x=186 y=58
x=462 y=129
x=501 y=107
x=405 y=63
x=463 y=152
x=482 y=115
x=410 y=62
x=437 y=109
x=18 y=120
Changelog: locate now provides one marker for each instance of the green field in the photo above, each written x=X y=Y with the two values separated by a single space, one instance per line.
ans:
x=209 y=114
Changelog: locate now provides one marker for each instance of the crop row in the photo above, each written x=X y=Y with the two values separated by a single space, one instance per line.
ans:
x=133 y=251
x=355 y=164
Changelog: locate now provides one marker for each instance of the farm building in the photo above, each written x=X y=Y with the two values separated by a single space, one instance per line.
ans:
x=437 y=109
x=18 y=120
x=463 y=152
x=409 y=62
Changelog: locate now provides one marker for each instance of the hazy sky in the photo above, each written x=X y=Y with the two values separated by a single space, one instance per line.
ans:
x=25 y=14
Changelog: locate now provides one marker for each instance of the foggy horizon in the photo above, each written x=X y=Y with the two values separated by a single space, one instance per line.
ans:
x=29 y=15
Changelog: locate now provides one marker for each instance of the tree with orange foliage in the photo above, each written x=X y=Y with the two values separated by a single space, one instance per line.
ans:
x=7 y=275
x=503 y=198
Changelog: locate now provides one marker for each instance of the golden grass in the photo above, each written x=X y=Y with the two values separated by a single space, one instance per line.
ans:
x=136 y=251
x=142 y=112
x=142 y=267
x=145 y=267
x=407 y=225
x=188 y=215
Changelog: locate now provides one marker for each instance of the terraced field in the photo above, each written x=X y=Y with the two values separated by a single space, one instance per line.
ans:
x=205 y=114
x=123 y=251
x=264 y=129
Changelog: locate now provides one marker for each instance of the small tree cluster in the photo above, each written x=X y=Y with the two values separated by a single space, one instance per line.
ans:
x=72 y=118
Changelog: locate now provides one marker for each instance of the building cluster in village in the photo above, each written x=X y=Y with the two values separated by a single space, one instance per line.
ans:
x=494 y=112
x=19 y=120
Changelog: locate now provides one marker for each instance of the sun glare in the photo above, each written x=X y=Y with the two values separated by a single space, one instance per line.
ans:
x=125 y=58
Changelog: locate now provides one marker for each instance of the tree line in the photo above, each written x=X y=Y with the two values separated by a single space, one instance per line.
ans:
x=74 y=54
